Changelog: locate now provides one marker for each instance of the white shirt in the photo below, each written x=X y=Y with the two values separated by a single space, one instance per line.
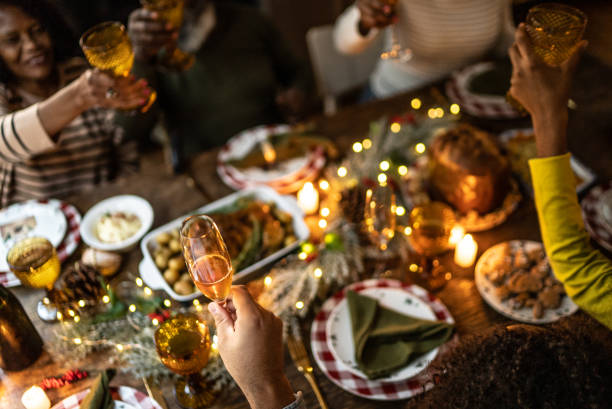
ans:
x=443 y=35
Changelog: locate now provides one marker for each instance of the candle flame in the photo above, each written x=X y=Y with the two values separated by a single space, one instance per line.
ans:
x=269 y=153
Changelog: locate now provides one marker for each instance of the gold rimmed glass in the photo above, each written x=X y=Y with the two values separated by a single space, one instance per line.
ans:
x=35 y=262
x=108 y=48
x=171 y=11
x=183 y=346
x=206 y=256
x=554 y=30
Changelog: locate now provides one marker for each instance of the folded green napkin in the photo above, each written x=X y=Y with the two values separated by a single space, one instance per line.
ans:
x=99 y=396
x=386 y=340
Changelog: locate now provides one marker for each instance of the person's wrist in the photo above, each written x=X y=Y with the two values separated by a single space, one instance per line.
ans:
x=276 y=393
x=78 y=95
x=550 y=128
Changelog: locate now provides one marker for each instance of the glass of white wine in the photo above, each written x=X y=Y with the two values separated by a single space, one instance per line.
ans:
x=207 y=257
x=379 y=216
x=34 y=261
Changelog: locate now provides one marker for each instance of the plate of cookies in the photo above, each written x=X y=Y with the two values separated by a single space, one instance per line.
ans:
x=516 y=280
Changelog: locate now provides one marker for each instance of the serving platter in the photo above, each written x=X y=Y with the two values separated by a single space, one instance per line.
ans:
x=153 y=277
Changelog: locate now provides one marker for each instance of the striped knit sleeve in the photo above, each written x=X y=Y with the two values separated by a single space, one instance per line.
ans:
x=347 y=38
x=22 y=135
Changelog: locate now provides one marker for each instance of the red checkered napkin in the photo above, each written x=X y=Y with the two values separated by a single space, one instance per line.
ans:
x=593 y=216
x=337 y=372
x=67 y=246
x=126 y=394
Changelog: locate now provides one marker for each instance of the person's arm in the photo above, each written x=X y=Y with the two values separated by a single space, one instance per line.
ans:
x=35 y=129
x=585 y=273
x=251 y=346
x=359 y=26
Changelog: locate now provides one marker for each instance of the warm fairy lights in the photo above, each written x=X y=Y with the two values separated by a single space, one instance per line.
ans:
x=408 y=231
x=196 y=302
x=367 y=143
x=59 y=316
x=416 y=103
x=431 y=112
x=106 y=299
x=167 y=303
x=395 y=127
x=400 y=210
x=71 y=313
x=420 y=148
x=77 y=319
x=77 y=341
x=414 y=268
x=342 y=172
x=302 y=255
x=148 y=291
x=139 y=282
x=132 y=308
x=402 y=170
x=322 y=223
x=155 y=322
x=119 y=347
x=357 y=147
x=267 y=281
x=325 y=212
x=454 y=109
x=382 y=178
x=81 y=303
x=324 y=184
x=299 y=305
x=318 y=272
x=46 y=301
x=384 y=165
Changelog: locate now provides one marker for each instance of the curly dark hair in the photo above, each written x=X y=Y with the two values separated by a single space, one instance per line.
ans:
x=53 y=21
x=565 y=365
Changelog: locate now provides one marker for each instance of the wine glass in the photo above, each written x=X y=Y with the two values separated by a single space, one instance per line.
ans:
x=108 y=48
x=431 y=225
x=396 y=51
x=172 y=12
x=183 y=346
x=379 y=215
x=34 y=261
x=555 y=30
x=206 y=256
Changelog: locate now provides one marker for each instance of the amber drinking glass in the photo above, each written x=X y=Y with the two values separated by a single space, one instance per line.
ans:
x=108 y=48
x=396 y=52
x=34 y=261
x=206 y=256
x=183 y=346
x=171 y=11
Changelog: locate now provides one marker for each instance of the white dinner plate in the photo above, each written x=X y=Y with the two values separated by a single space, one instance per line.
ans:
x=340 y=335
x=126 y=398
x=30 y=219
x=486 y=288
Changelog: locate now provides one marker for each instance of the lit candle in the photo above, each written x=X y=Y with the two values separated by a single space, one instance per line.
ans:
x=465 y=252
x=269 y=153
x=308 y=198
x=456 y=235
x=35 y=398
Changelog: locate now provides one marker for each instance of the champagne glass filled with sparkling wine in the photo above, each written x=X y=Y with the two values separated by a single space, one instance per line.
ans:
x=34 y=261
x=379 y=215
x=396 y=52
x=108 y=48
x=554 y=30
x=171 y=11
x=183 y=346
x=206 y=257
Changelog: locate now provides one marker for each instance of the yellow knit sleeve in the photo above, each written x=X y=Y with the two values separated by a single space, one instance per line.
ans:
x=585 y=273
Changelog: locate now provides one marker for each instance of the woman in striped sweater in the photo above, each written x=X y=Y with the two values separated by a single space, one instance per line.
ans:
x=57 y=135
x=442 y=35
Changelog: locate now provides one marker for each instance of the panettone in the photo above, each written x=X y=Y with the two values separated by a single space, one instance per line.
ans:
x=468 y=170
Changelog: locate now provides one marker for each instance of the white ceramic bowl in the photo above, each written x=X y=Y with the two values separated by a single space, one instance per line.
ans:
x=123 y=203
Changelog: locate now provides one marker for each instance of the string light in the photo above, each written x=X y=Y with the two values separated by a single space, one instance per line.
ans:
x=106 y=299
x=408 y=231
x=384 y=165
x=167 y=303
x=318 y=272
x=367 y=143
x=395 y=127
x=77 y=318
x=382 y=178
x=322 y=223
x=132 y=308
x=325 y=212
x=139 y=282
x=119 y=347
x=196 y=302
x=439 y=112
x=46 y=301
x=357 y=147
x=414 y=268
x=415 y=103
x=267 y=281
x=77 y=341
x=302 y=255
x=400 y=210
x=59 y=316
x=71 y=313
x=299 y=305
x=324 y=184
x=81 y=303
x=155 y=322
x=431 y=112
x=402 y=170
x=454 y=109
x=342 y=172
x=148 y=291
x=420 y=148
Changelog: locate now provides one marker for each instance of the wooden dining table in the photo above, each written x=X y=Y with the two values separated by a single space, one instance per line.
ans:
x=172 y=195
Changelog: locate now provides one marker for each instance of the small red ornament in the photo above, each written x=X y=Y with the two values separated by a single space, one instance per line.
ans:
x=69 y=377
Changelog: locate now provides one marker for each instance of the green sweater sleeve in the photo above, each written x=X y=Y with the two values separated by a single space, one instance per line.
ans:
x=585 y=273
